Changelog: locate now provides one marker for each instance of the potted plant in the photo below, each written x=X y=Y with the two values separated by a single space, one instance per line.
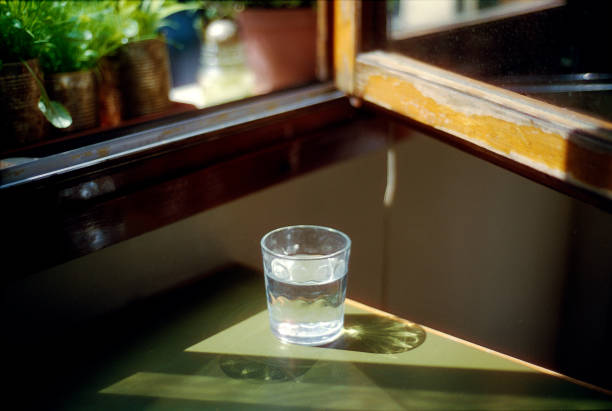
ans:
x=79 y=34
x=143 y=63
x=280 y=42
x=24 y=102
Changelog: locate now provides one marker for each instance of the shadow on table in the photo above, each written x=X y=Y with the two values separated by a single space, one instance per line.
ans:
x=362 y=332
x=128 y=363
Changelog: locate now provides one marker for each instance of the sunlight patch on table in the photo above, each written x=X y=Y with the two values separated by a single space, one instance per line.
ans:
x=252 y=337
x=287 y=394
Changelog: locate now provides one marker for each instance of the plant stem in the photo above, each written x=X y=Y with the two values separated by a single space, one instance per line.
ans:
x=43 y=92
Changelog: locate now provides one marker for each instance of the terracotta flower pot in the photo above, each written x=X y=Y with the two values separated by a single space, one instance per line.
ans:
x=77 y=92
x=144 y=77
x=280 y=46
x=22 y=121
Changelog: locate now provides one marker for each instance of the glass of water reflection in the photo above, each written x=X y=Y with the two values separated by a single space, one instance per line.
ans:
x=306 y=270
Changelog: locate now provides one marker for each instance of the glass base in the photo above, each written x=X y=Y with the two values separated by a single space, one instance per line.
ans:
x=308 y=338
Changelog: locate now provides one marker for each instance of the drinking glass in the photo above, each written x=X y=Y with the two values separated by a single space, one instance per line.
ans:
x=306 y=270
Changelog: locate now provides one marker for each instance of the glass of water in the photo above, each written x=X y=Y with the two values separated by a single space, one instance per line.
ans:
x=306 y=270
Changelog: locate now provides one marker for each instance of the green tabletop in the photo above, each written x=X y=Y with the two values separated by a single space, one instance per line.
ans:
x=208 y=346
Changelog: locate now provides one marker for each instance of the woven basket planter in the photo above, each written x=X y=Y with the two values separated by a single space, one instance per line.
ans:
x=77 y=92
x=22 y=121
x=144 y=77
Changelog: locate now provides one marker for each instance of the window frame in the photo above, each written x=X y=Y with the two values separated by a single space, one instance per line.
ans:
x=122 y=183
x=137 y=179
x=563 y=149
x=59 y=217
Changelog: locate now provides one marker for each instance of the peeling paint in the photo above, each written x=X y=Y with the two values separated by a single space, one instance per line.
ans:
x=103 y=152
x=82 y=155
x=509 y=134
x=499 y=134
x=271 y=106
x=473 y=106
x=399 y=65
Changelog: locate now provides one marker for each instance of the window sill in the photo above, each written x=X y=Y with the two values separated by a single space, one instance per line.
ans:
x=73 y=203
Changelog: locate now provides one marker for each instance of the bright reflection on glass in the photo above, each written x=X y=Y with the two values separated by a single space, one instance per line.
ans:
x=413 y=17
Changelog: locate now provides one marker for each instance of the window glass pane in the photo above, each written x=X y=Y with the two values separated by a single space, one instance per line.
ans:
x=243 y=49
x=118 y=63
x=411 y=17
x=551 y=50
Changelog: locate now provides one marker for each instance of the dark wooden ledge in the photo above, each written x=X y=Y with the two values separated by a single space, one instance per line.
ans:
x=50 y=217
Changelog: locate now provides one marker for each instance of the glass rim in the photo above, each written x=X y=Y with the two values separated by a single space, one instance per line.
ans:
x=346 y=246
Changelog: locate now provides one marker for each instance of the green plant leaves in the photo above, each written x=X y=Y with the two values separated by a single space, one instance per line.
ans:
x=151 y=15
x=55 y=112
x=72 y=35
x=19 y=30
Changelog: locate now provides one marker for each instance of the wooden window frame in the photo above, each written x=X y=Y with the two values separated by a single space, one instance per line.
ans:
x=127 y=182
x=560 y=148
x=79 y=197
x=51 y=217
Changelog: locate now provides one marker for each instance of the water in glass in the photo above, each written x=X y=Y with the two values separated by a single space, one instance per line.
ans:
x=306 y=298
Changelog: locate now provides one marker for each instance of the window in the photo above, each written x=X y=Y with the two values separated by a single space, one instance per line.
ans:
x=471 y=79
x=77 y=195
x=214 y=53
x=71 y=199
